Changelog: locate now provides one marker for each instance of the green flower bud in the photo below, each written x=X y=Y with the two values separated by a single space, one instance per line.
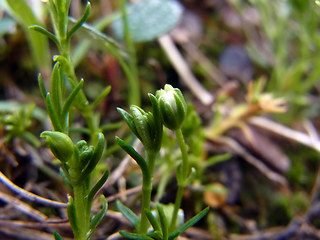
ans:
x=173 y=107
x=60 y=145
x=147 y=126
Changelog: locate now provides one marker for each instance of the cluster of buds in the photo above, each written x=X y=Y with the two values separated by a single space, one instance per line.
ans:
x=78 y=155
x=168 y=108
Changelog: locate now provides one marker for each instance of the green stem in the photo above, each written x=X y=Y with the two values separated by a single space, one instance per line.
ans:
x=83 y=216
x=146 y=192
x=184 y=153
x=181 y=183
x=177 y=205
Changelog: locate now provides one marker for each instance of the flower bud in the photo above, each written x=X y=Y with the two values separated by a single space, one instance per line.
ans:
x=147 y=126
x=60 y=145
x=173 y=107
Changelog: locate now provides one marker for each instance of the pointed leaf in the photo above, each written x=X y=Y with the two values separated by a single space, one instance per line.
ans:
x=80 y=22
x=129 y=120
x=163 y=222
x=52 y=114
x=155 y=235
x=153 y=221
x=97 y=187
x=57 y=236
x=101 y=96
x=71 y=210
x=135 y=236
x=136 y=156
x=44 y=32
x=98 y=217
x=42 y=87
x=128 y=214
x=56 y=88
x=189 y=223
x=70 y=100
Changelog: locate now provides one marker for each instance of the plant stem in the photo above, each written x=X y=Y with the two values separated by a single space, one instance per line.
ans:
x=184 y=153
x=83 y=217
x=146 y=191
x=181 y=184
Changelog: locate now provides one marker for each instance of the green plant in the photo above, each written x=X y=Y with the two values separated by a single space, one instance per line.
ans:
x=79 y=160
x=168 y=108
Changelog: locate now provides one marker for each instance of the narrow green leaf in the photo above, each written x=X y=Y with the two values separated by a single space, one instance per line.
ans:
x=136 y=156
x=57 y=236
x=56 y=88
x=70 y=100
x=45 y=32
x=128 y=214
x=97 y=186
x=189 y=223
x=65 y=176
x=163 y=222
x=134 y=236
x=52 y=114
x=153 y=221
x=71 y=211
x=100 y=97
x=98 y=217
x=42 y=87
x=80 y=22
x=99 y=148
x=157 y=235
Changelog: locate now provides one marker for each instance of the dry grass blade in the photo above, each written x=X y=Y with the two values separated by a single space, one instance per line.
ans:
x=29 y=196
x=286 y=132
x=23 y=207
x=238 y=149
x=27 y=234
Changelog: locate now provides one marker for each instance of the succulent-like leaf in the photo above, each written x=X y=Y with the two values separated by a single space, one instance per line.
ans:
x=128 y=214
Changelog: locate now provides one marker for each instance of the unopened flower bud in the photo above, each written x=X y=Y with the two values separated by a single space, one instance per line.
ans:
x=60 y=145
x=173 y=107
x=147 y=126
